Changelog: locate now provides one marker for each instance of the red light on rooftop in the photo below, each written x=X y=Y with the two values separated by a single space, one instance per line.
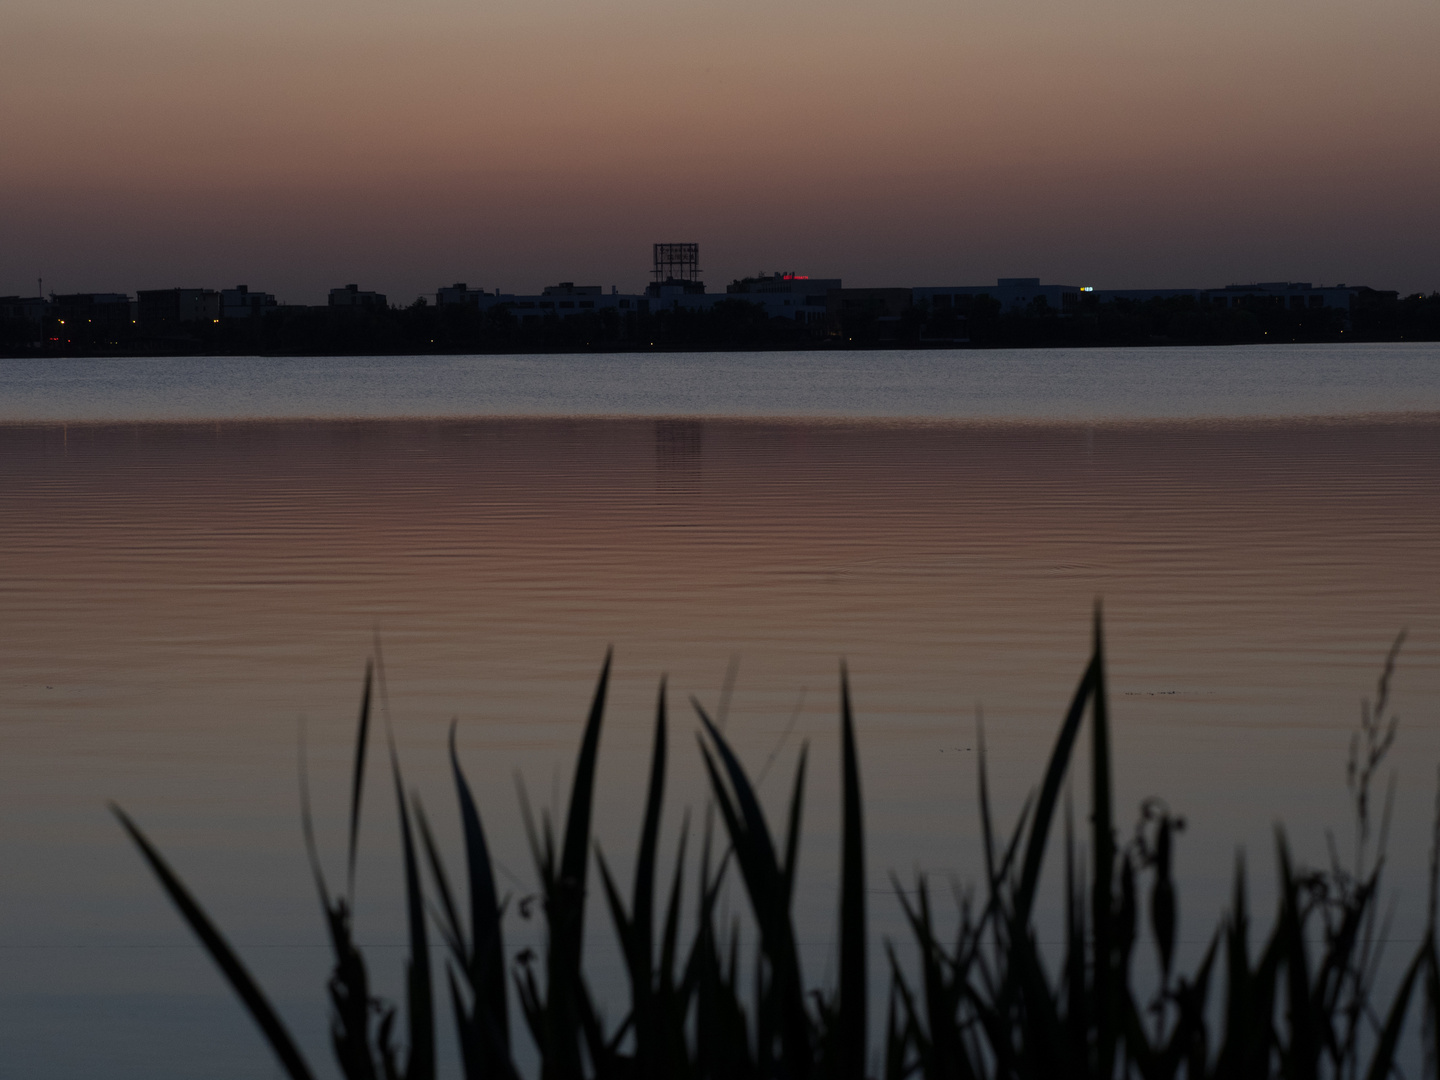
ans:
x=796 y=277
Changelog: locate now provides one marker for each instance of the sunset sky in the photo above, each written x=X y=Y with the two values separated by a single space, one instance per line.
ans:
x=303 y=144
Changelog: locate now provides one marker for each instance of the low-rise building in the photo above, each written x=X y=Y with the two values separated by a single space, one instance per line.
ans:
x=241 y=303
x=1140 y=296
x=1289 y=295
x=1293 y=295
x=159 y=308
x=91 y=316
x=1012 y=294
x=30 y=309
x=351 y=296
x=680 y=294
x=22 y=321
x=1021 y=294
x=461 y=295
x=567 y=298
x=884 y=305
x=786 y=296
x=561 y=301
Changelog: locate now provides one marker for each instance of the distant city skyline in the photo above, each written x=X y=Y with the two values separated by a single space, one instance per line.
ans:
x=711 y=288
x=158 y=143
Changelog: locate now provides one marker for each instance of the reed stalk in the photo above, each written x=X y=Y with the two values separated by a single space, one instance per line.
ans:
x=983 y=1006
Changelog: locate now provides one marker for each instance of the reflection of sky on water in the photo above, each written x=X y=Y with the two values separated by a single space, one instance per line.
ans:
x=1027 y=384
x=177 y=596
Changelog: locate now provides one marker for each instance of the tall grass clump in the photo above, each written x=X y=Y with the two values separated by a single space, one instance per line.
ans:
x=984 y=1002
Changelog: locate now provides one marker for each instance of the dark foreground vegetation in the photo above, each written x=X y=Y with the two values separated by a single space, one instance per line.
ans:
x=736 y=325
x=1299 y=1003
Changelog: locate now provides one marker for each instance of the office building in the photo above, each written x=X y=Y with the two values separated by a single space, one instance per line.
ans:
x=241 y=303
x=161 y=308
x=351 y=297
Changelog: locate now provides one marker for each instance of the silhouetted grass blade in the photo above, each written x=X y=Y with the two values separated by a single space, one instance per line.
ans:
x=357 y=780
x=649 y=1051
x=1077 y=992
x=485 y=966
x=349 y=984
x=565 y=905
x=1430 y=1017
x=1382 y=1062
x=854 y=987
x=987 y=827
x=766 y=884
x=792 y=828
x=215 y=944
x=1049 y=792
x=1306 y=1043
x=1102 y=846
x=636 y=928
x=575 y=852
x=669 y=935
x=448 y=917
x=307 y=826
x=420 y=1012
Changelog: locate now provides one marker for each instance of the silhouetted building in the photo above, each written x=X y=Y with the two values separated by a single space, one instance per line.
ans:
x=569 y=288
x=241 y=303
x=1292 y=295
x=1289 y=295
x=30 y=309
x=461 y=294
x=786 y=296
x=1012 y=294
x=883 y=305
x=561 y=301
x=1105 y=296
x=22 y=321
x=351 y=297
x=674 y=290
x=109 y=311
x=160 y=308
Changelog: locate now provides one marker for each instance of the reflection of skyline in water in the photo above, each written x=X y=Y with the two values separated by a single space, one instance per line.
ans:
x=679 y=445
x=678 y=441
x=175 y=597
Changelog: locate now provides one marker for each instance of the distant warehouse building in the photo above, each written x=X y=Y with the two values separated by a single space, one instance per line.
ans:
x=786 y=296
x=461 y=295
x=1295 y=295
x=1022 y=294
x=353 y=297
x=112 y=309
x=241 y=303
x=1012 y=294
x=81 y=316
x=28 y=309
x=22 y=319
x=561 y=301
x=159 y=308
x=1141 y=296
x=1289 y=295
x=879 y=310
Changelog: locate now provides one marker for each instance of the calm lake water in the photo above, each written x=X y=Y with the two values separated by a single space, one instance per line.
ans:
x=197 y=554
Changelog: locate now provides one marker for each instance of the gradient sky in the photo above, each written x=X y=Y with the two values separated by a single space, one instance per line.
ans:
x=303 y=144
